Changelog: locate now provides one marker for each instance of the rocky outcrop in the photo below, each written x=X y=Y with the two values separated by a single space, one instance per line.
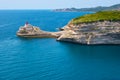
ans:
x=30 y=31
x=104 y=32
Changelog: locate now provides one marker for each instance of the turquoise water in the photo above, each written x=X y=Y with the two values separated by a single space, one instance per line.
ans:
x=47 y=59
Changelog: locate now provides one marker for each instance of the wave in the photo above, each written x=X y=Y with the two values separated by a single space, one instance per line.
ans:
x=3 y=25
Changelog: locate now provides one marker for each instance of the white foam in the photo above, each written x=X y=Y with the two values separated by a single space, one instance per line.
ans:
x=3 y=25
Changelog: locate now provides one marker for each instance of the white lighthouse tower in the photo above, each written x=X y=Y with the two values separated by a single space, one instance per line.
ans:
x=26 y=24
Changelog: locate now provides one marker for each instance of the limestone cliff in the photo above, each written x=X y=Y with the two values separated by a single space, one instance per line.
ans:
x=98 y=28
x=101 y=32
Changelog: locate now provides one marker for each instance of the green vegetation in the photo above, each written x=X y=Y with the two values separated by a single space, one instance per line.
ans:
x=99 y=16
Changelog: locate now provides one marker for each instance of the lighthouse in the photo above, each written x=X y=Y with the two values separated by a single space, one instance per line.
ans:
x=26 y=24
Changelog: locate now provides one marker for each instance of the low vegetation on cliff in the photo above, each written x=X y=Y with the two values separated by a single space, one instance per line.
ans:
x=99 y=16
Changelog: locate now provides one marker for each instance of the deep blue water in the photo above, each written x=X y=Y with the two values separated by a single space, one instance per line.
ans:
x=47 y=59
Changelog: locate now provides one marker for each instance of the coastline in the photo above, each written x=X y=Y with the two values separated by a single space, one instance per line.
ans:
x=81 y=35
x=87 y=29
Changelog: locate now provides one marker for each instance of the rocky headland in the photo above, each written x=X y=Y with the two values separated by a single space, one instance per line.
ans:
x=104 y=32
x=98 y=28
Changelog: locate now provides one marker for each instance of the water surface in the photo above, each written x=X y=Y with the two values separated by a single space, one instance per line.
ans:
x=48 y=59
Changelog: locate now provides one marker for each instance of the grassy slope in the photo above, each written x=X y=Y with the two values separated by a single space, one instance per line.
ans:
x=99 y=16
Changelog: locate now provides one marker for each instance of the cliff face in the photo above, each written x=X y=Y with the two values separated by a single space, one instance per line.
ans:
x=104 y=32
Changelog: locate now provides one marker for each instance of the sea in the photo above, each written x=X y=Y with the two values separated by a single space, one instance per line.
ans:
x=48 y=59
